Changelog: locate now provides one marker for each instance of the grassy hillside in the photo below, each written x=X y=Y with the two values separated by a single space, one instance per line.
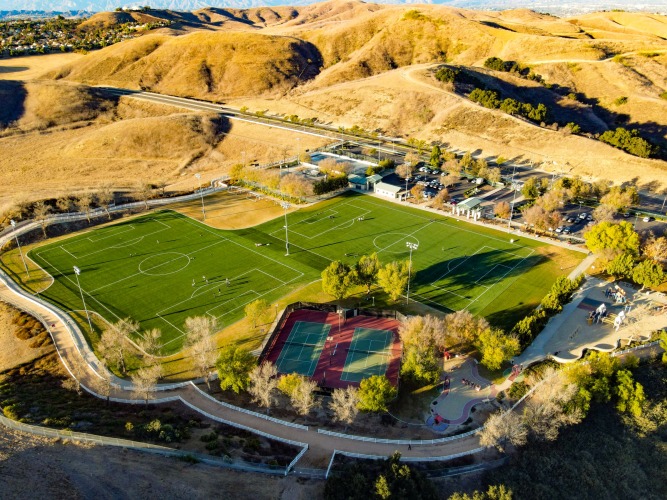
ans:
x=207 y=65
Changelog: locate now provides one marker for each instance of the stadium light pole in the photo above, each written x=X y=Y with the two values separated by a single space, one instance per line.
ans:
x=285 y=205
x=201 y=192
x=412 y=246
x=13 y=223
x=509 y=224
x=77 y=271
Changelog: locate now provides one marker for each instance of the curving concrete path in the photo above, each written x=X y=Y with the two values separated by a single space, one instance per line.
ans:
x=75 y=352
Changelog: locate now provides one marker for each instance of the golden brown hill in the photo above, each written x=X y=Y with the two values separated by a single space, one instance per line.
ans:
x=43 y=104
x=207 y=65
x=107 y=19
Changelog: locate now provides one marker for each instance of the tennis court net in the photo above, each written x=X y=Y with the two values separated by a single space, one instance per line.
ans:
x=302 y=344
x=370 y=353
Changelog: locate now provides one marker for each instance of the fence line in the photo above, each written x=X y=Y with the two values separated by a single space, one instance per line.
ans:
x=296 y=459
x=136 y=446
x=398 y=441
x=364 y=456
x=250 y=412
x=298 y=444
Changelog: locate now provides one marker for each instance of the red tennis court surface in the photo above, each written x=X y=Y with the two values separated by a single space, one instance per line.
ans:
x=331 y=362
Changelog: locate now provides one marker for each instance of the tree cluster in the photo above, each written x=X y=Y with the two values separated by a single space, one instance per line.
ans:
x=630 y=142
x=618 y=247
x=490 y=99
x=387 y=479
x=331 y=183
x=528 y=327
x=339 y=278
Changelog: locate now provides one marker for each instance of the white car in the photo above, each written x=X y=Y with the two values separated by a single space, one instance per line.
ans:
x=559 y=229
x=583 y=215
x=647 y=219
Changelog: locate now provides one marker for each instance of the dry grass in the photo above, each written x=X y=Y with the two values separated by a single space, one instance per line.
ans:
x=207 y=65
x=31 y=67
x=14 y=351
x=234 y=210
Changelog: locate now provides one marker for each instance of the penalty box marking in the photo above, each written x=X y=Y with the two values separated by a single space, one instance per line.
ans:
x=123 y=244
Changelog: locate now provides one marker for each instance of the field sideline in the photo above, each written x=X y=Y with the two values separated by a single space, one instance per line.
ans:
x=162 y=267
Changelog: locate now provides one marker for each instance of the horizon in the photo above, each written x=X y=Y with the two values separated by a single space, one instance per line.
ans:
x=79 y=8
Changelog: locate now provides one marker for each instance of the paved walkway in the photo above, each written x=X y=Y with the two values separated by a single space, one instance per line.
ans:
x=74 y=352
x=569 y=334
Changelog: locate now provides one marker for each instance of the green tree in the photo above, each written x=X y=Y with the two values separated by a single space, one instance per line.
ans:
x=367 y=270
x=496 y=347
x=494 y=492
x=530 y=189
x=446 y=75
x=255 y=310
x=621 y=266
x=375 y=393
x=337 y=279
x=630 y=394
x=608 y=239
x=648 y=273
x=663 y=345
x=288 y=384
x=436 y=154
x=393 y=278
x=234 y=366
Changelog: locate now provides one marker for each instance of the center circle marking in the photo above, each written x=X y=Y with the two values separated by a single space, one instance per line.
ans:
x=165 y=263
x=387 y=241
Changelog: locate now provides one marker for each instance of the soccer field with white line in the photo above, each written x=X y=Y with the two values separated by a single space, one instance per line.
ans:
x=162 y=267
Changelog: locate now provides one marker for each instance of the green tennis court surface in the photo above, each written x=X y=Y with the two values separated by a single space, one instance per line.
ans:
x=369 y=354
x=163 y=267
x=302 y=349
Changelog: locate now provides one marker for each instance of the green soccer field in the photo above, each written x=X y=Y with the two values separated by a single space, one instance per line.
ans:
x=163 y=267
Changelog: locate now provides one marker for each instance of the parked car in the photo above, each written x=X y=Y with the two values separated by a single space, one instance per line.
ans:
x=583 y=215
x=559 y=229
x=647 y=219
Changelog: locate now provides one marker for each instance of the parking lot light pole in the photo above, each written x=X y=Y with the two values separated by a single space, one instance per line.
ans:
x=201 y=192
x=77 y=271
x=13 y=223
x=412 y=246
x=285 y=205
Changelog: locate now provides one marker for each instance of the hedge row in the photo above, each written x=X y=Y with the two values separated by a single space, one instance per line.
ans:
x=561 y=292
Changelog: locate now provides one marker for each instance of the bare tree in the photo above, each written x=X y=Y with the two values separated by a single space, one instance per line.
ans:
x=405 y=170
x=544 y=413
x=604 y=213
x=84 y=204
x=450 y=180
x=440 y=199
x=263 y=381
x=150 y=342
x=105 y=198
x=503 y=428
x=113 y=343
x=199 y=341
x=344 y=404
x=104 y=384
x=64 y=203
x=41 y=213
x=502 y=210
x=303 y=398
x=295 y=185
x=463 y=327
x=145 y=193
x=656 y=248
x=144 y=381
x=161 y=185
